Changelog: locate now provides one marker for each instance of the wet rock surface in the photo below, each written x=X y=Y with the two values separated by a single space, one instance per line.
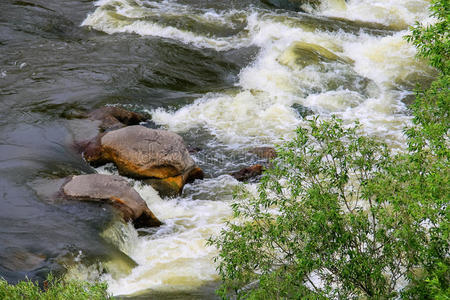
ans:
x=302 y=110
x=301 y=54
x=20 y=259
x=248 y=173
x=158 y=156
x=296 y=5
x=267 y=153
x=141 y=152
x=112 y=117
x=111 y=189
x=173 y=186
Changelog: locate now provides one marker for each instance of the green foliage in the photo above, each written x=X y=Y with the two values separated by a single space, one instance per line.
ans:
x=433 y=41
x=427 y=168
x=340 y=216
x=334 y=207
x=54 y=289
x=431 y=111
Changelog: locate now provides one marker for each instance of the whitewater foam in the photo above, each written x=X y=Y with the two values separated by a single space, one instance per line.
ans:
x=364 y=78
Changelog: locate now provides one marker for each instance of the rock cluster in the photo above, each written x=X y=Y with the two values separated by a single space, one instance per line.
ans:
x=158 y=156
x=155 y=157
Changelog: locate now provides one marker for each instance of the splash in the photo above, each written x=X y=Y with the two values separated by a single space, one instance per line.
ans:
x=175 y=256
x=363 y=77
x=354 y=74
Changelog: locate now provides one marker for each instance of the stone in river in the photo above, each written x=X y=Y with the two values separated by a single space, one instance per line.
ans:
x=115 y=117
x=159 y=156
x=296 y=5
x=264 y=152
x=115 y=190
x=248 y=173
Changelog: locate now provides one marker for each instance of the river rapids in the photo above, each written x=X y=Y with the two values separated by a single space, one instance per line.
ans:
x=225 y=75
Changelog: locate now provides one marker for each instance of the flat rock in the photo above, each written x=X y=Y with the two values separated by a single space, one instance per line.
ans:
x=115 y=190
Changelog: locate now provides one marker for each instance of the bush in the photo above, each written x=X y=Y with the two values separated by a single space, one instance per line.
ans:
x=53 y=289
x=340 y=216
x=432 y=41
x=336 y=217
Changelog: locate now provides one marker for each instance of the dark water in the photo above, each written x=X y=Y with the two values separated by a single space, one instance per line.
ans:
x=53 y=71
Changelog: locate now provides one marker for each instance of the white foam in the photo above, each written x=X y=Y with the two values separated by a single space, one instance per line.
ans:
x=176 y=255
x=385 y=60
x=395 y=13
x=261 y=112
x=116 y=16
x=235 y=119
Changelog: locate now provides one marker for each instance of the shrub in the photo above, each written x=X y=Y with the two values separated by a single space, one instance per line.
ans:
x=329 y=220
x=338 y=216
x=53 y=289
x=432 y=41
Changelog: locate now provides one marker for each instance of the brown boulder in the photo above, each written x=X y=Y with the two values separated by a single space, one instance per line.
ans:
x=142 y=152
x=264 y=152
x=115 y=117
x=93 y=151
x=173 y=186
x=159 y=156
x=248 y=173
x=115 y=190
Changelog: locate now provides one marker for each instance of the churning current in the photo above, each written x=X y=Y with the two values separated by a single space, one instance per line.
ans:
x=225 y=75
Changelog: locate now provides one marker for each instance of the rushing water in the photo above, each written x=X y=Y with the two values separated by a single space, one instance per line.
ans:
x=226 y=75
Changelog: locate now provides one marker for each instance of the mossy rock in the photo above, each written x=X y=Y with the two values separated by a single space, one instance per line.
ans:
x=301 y=54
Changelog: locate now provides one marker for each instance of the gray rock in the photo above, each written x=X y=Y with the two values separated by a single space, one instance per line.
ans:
x=142 y=152
x=114 y=190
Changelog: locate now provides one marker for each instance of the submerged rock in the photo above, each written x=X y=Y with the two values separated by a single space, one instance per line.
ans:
x=302 y=110
x=99 y=121
x=115 y=190
x=159 y=156
x=115 y=117
x=301 y=54
x=15 y=259
x=248 y=173
x=264 y=152
x=296 y=5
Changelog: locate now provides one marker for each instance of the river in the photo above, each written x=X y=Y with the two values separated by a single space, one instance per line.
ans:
x=225 y=75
